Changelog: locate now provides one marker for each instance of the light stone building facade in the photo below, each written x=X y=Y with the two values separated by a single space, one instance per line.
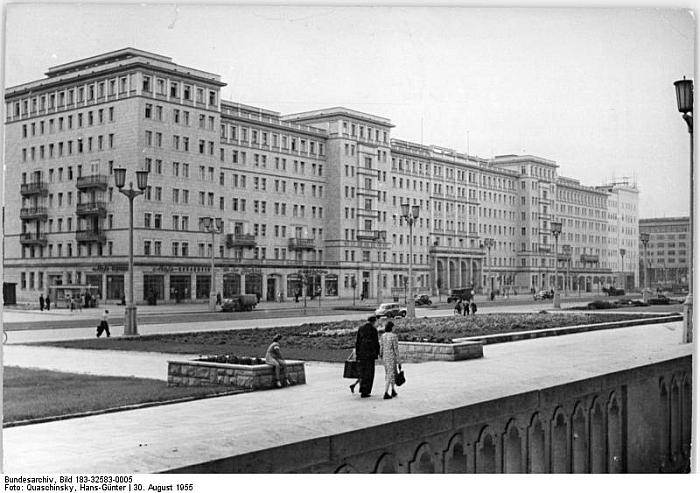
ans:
x=310 y=201
x=668 y=251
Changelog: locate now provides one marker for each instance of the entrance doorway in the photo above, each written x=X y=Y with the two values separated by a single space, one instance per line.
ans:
x=271 y=288
x=365 y=285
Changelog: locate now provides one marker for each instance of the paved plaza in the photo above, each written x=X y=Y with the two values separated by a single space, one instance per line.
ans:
x=165 y=437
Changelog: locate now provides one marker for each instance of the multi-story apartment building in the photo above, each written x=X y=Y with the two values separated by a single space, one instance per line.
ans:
x=623 y=232
x=667 y=251
x=310 y=196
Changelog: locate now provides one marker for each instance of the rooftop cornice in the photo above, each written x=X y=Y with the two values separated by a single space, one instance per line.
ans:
x=339 y=111
x=128 y=64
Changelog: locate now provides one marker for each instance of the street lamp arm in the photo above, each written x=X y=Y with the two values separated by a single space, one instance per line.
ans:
x=131 y=193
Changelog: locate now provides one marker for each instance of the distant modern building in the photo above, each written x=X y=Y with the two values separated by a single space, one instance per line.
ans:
x=314 y=195
x=668 y=250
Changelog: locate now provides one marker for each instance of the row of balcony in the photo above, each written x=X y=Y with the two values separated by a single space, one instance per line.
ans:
x=95 y=182
x=247 y=240
x=81 y=236
x=83 y=209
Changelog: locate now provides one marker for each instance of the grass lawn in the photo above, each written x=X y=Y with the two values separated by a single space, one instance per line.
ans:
x=332 y=341
x=30 y=394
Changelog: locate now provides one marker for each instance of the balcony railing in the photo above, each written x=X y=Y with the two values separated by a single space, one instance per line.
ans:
x=237 y=240
x=35 y=188
x=368 y=235
x=33 y=239
x=362 y=170
x=544 y=248
x=302 y=243
x=91 y=209
x=587 y=257
x=368 y=192
x=456 y=250
x=89 y=236
x=367 y=212
x=33 y=213
x=93 y=181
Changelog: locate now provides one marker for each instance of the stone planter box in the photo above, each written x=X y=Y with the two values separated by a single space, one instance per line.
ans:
x=250 y=377
x=433 y=351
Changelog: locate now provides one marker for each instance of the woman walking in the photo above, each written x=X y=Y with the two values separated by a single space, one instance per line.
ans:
x=390 y=355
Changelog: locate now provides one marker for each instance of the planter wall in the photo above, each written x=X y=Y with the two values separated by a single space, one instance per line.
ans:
x=251 y=377
x=432 y=351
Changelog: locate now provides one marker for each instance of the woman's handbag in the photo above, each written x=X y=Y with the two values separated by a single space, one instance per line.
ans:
x=400 y=378
x=352 y=368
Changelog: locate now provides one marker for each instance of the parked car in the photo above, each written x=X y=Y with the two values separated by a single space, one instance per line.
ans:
x=613 y=291
x=390 y=310
x=662 y=300
x=459 y=294
x=239 y=303
x=543 y=295
x=423 y=299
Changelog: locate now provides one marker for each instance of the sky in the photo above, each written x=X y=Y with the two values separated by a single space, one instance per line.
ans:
x=591 y=89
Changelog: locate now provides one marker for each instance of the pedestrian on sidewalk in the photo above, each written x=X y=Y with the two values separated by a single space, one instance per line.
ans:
x=48 y=303
x=218 y=298
x=353 y=357
x=104 y=324
x=466 y=308
x=273 y=357
x=473 y=307
x=389 y=353
x=41 y=302
x=458 y=307
x=367 y=351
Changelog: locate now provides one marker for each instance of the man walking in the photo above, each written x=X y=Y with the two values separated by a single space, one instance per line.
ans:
x=367 y=351
x=104 y=324
x=41 y=302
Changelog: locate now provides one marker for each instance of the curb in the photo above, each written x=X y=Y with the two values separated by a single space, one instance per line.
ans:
x=559 y=331
x=128 y=407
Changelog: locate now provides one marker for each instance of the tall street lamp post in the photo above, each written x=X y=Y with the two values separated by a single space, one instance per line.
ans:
x=130 y=326
x=488 y=244
x=556 y=231
x=622 y=268
x=567 y=252
x=644 y=238
x=410 y=214
x=213 y=226
x=684 y=96
x=380 y=238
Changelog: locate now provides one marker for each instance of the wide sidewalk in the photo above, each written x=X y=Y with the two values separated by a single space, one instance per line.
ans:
x=165 y=437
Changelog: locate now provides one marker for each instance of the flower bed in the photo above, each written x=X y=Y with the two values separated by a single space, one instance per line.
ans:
x=432 y=351
x=250 y=374
x=332 y=341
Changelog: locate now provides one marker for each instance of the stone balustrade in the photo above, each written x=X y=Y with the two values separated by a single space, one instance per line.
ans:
x=635 y=420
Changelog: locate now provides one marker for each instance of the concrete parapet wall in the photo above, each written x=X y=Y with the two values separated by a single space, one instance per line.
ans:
x=574 y=329
x=430 y=351
x=253 y=377
x=636 y=420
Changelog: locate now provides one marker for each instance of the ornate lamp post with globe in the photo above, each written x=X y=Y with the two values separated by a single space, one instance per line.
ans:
x=213 y=226
x=130 y=325
x=684 y=97
x=623 y=251
x=410 y=214
x=567 y=252
x=644 y=238
x=556 y=231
